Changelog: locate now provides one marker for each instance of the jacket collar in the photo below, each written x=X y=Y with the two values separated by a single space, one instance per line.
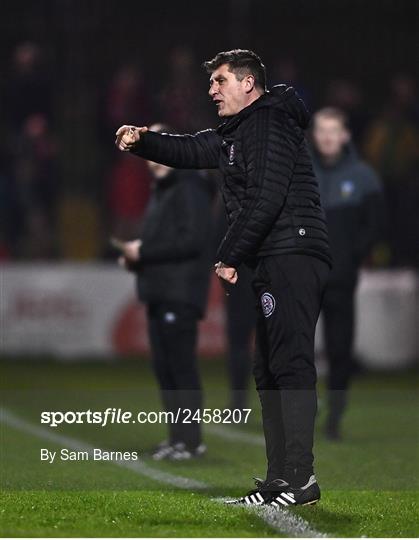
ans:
x=280 y=96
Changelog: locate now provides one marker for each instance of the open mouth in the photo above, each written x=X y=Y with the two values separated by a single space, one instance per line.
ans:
x=217 y=102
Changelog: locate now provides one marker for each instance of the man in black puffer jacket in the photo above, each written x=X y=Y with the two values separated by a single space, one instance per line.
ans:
x=278 y=228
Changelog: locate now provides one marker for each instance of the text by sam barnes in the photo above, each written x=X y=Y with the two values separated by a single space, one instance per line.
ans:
x=97 y=454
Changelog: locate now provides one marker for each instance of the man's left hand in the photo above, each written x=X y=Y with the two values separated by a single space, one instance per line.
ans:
x=131 y=250
x=130 y=253
x=228 y=273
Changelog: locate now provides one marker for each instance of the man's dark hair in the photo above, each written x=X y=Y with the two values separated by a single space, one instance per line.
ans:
x=241 y=62
x=333 y=112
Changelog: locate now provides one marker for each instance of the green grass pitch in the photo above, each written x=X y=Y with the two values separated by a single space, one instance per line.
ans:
x=369 y=481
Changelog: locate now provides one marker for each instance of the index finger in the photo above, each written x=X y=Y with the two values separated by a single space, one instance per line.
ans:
x=122 y=129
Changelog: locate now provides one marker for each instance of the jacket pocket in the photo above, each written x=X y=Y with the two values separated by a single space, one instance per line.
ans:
x=261 y=273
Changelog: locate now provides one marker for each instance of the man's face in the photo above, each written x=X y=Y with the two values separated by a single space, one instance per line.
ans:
x=229 y=94
x=330 y=136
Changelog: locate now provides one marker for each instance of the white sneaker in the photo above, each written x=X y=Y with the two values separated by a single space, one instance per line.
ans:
x=181 y=453
x=162 y=451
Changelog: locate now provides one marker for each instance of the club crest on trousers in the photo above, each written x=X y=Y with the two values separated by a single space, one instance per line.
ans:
x=268 y=304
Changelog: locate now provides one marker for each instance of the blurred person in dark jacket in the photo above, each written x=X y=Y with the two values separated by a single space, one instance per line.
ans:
x=392 y=146
x=11 y=214
x=27 y=86
x=171 y=260
x=351 y=196
x=35 y=171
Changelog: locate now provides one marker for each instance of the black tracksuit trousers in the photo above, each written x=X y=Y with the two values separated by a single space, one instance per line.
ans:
x=289 y=291
x=173 y=336
x=241 y=323
x=338 y=319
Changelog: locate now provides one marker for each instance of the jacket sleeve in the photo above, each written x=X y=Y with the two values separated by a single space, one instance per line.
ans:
x=270 y=148
x=199 y=151
x=192 y=223
x=371 y=213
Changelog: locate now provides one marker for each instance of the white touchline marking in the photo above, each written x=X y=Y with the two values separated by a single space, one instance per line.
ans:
x=9 y=418
x=235 y=435
x=285 y=521
x=279 y=519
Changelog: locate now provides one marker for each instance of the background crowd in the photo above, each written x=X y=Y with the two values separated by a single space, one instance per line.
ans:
x=63 y=186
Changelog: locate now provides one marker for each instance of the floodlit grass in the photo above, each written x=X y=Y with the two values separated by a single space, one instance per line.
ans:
x=369 y=481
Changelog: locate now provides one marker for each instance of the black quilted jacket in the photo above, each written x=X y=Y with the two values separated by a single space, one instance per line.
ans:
x=268 y=185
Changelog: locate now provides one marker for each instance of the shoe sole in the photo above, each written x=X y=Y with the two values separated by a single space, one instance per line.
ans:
x=310 y=503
